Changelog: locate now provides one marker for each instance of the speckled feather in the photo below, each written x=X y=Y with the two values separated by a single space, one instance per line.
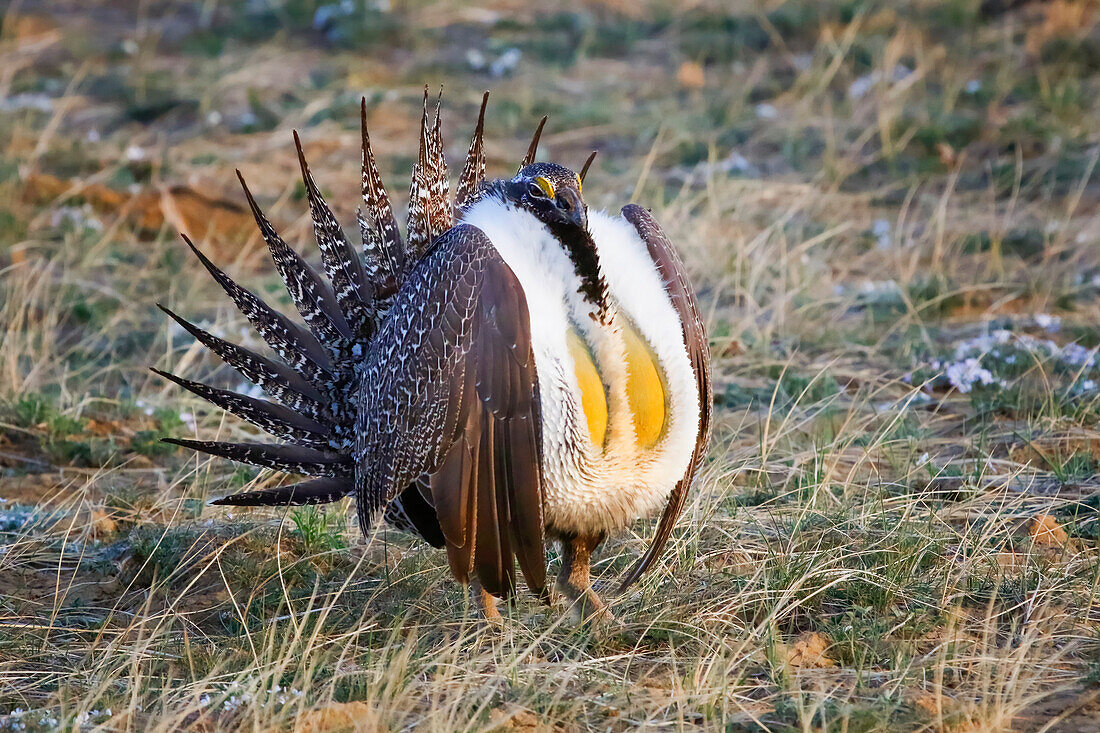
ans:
x=341 y=262
x=450 y=381
x=279 y=456
x=276 y=379
x=322 y=490
x=280 y=421
x=383 y=250
x=313 y=298
x=473 y=172
x=294 y=344
x=430 y=208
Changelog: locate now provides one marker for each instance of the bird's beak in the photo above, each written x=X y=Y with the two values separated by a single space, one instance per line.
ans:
x=573 y=209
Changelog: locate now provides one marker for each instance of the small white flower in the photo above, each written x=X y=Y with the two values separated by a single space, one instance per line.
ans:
x=881 y=232
x=476 y=60
x=737 y=163
x=1047 y=322
x=973 y=86
x=766 y=111
x=963 y=375
x=506 y=63
x=859 y=88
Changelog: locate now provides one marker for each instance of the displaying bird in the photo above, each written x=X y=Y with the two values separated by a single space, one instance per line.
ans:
x=515 y=369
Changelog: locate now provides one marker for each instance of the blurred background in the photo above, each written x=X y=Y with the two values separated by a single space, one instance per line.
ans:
x=833 y=160
x=917 y=131
x=890 y=210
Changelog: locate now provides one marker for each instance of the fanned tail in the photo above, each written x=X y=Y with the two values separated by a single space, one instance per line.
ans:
x=314 y=381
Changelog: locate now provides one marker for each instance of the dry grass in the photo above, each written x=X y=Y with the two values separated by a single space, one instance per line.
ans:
x=857 y=189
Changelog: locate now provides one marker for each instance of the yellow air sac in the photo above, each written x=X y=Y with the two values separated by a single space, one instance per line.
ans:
x=645 y=391
x=593 y=398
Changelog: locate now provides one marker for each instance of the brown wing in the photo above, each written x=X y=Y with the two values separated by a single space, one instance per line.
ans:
x=451 y=392
x=683 y=300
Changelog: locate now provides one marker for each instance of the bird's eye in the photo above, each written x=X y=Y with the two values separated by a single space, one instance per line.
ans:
x=540 y=188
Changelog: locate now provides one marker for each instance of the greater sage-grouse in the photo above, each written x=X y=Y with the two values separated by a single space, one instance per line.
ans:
x=515 y=367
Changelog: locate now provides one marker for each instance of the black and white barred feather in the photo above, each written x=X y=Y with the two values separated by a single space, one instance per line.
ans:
x=430 y=209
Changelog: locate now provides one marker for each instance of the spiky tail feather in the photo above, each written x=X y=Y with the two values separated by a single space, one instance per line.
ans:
x=313 y=382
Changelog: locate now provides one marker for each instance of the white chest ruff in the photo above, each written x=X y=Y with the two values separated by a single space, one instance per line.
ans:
x=591 y=488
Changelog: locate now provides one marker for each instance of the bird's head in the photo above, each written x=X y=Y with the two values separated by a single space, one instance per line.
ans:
x=552 y=193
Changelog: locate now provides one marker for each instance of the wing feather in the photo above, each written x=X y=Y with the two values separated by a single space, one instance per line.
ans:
x=680 y=292
x=452 y=393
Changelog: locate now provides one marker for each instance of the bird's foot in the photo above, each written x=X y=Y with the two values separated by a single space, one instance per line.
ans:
x=585 y=605
x=575 y=581
x=490 y=614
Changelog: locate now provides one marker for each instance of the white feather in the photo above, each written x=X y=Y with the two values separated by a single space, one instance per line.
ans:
x=588 y=489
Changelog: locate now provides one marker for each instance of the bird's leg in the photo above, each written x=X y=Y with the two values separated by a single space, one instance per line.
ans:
x=487 y=602
x=575 y=581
